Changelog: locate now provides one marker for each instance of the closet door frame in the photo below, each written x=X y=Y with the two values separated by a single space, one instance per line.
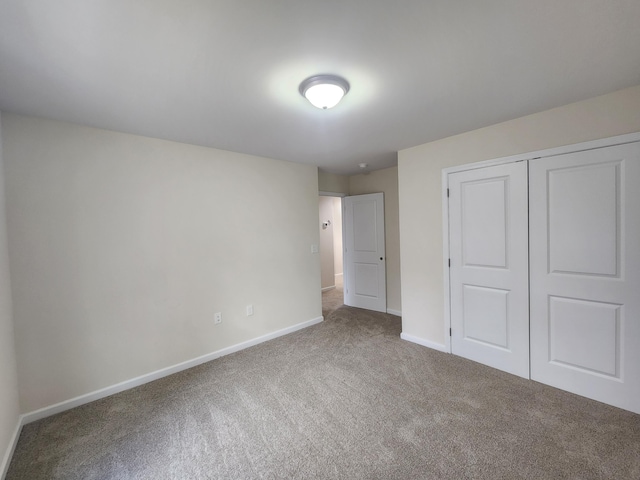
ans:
x=532 y=156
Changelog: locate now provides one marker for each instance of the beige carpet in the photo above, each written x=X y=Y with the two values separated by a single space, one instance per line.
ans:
x=344 y=399
x=331 y=300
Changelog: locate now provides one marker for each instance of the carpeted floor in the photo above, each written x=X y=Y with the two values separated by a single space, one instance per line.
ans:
x=344 y=399
x=331 y=300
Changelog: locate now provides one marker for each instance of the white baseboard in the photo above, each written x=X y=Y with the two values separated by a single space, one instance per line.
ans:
x=326 y=289
x=6 y=460
x=150 y=377
x=391 y=311
x=424 y=343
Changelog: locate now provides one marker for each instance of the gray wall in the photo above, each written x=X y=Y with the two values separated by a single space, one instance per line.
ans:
x=9 y=409
x=327 y=250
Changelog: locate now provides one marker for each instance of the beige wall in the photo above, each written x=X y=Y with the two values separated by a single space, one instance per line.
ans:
x=330 y=182
x=9 y=409
x=326 y=242
x=420 y=174
x=385 y=181
x=123 y=248
x=337 y=236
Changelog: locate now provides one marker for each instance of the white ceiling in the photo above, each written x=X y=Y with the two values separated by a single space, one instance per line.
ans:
x=225 y=73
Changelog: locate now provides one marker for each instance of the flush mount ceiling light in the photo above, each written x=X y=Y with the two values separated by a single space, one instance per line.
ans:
x=324 y=91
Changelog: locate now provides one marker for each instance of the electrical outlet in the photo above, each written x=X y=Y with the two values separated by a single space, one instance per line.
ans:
x=217 y=318
x=249 y=310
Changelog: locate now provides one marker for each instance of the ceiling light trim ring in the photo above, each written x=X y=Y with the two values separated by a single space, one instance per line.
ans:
x=324 y=79
x=318 y=96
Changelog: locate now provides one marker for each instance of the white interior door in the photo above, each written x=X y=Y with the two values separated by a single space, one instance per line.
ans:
x=364 y=254
x=585 y=273
x=489 y=277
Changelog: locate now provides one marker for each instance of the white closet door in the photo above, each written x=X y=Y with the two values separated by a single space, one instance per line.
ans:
x=489 y=266
x=585 y=273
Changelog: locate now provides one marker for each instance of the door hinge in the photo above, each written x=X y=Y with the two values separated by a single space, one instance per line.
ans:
x=449 y=332
x=447 y=193
x=449 y=263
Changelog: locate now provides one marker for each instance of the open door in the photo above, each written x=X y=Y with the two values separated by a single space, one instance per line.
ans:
x=364 y=252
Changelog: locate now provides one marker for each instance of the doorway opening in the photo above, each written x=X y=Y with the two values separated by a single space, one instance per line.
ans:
x=331 y=253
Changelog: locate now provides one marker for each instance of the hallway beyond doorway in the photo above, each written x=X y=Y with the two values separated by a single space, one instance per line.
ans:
x=332 y=300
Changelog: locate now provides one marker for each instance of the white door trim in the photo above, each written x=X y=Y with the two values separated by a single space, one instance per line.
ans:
x=590 y=145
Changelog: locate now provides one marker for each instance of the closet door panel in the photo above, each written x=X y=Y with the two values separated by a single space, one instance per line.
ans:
x=585 y=273
x=489 y=275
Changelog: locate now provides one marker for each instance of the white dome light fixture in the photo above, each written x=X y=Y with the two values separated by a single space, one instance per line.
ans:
x=324 y=91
